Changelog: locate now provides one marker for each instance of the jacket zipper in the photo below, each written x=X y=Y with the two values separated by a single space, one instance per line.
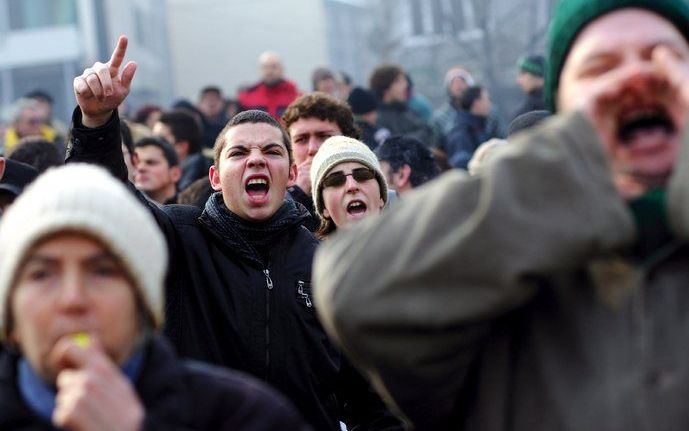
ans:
x=269 y=284
x=303 y=294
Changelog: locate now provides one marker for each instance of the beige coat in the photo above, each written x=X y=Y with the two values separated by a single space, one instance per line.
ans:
x=502 y=302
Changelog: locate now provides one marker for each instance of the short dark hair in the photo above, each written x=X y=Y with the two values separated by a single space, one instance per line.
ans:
x=183 y=127
x=382 y=78
x=156 y=141
x=127 y=139
x=252 y=116
x=211 y=89
x=39 y=94
x=37 y=152
x=196 y=193
x=144 y=112
x=321 y=74
x=324 y=107
x=470 y=95
x=406 y=150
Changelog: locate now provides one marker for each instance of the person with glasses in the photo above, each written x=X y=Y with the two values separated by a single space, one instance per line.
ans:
x=348 y=184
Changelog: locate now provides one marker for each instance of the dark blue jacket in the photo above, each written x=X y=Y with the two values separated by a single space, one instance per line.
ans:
x=177 y=396
x=465 y=137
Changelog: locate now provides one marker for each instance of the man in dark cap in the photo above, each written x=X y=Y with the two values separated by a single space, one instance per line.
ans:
x=549 y=291
x=364 y=106
x=530 y=79
x=17 y=176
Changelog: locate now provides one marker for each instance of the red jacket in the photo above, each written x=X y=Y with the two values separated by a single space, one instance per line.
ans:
x=272 y=99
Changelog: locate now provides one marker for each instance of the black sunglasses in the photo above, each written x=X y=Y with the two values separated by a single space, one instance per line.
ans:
x=337 y=179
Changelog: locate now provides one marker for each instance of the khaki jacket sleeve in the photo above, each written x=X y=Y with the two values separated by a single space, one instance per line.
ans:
x=409 y=294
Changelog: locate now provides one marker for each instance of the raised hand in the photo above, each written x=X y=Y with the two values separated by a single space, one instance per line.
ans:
x=303 y=176
x=92 y=393
x=101 y=88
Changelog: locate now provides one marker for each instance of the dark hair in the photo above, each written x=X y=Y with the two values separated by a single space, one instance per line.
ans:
x=40 y=95
x=252 y=116
x=326 y=227
x=526 y=121
x=405 y=150
x=382 y=78
x=211 y=89
x=323 y=107
x=183 y=127
x=196 y=193
x=37 y=152
x=156 y=141
x=470 y=95
x=144 y=112
x=321 y=74
x=127 y=139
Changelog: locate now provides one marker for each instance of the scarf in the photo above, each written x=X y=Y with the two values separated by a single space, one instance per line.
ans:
x=253 y=240
x=40 y=396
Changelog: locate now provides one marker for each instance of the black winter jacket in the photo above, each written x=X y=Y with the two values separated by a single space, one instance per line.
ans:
x=177 y=396
x=399 y=120
x=224 y=307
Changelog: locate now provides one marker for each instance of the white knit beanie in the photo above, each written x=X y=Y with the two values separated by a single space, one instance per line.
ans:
x=84 y=198
x=341 y=149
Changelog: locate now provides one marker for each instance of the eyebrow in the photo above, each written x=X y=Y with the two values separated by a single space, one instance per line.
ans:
x=51 y=260
x=604 y=51
x=241 y=146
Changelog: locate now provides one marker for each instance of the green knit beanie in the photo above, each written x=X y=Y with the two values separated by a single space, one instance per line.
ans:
x=571 y=16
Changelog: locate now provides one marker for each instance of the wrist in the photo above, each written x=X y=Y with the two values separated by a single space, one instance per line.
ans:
x=93 y=121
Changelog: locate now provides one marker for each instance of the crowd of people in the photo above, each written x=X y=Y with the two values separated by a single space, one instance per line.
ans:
x=347 y=258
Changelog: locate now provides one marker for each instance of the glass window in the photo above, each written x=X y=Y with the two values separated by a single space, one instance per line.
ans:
x=28 y=14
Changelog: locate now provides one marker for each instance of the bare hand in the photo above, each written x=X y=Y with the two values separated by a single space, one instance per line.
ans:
x=93 y=394
x=604 y=101
x=101 y=89
x=304 y=176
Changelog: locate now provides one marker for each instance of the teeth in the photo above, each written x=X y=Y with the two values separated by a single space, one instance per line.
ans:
x=257 y=181
x=356 y=204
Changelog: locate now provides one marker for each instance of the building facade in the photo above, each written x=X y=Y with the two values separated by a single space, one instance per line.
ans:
x=44 y=44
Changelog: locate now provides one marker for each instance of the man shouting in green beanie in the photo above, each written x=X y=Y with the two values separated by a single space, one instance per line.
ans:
x=551 y=292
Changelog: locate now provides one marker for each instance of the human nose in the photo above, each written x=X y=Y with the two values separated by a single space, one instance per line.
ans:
x=351 y=184
x=256 y=159
x=72 y=291
x=314 y=145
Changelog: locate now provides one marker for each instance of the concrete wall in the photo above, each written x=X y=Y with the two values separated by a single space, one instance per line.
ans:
x=218 y=41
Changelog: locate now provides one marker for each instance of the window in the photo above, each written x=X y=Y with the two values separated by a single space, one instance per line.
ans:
x=29 y=14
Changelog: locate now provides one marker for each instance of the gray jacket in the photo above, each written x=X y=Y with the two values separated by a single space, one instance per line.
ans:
x=504 y=302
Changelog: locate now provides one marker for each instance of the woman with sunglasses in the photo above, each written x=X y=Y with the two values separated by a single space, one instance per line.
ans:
x=347 y=182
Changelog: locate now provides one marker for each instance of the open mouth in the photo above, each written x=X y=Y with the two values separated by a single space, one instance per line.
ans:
x=257 y=186
x=356 y=208
x=647 y=127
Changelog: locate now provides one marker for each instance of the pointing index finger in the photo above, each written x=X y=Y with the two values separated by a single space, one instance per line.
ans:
x=118 y=55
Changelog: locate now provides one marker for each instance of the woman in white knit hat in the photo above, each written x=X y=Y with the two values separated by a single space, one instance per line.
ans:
x=347 y=182
x=82 y=265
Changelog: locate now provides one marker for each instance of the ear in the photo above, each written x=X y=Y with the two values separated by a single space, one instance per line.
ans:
x=326 y=213
x=175 y=174
x=292 y=175
x=401 y=177
x=214 y=178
